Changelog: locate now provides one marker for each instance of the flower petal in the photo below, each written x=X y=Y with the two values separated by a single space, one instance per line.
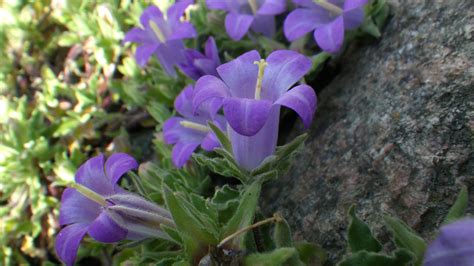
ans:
x=240 y=74
x=170 y=54
x=330 y=37
x=237 y=25
x=92 y=175
x=302 y=99
x=75 y=208
x=137 y=35
x=264 y=24
x=350 y=4
x=249 y=152
x=206 y=88
x=175 y=11
x=216 y=4
x=301 y=21
x=118 y=164
x=182 y=152
x=246 y=116
x=211 y=50
x=272 y=7
x=284 y=69
x=144 y=52
x=68 y=240
x=353 y=18
x=182 y=31
x=105 y=230
x=150 y=13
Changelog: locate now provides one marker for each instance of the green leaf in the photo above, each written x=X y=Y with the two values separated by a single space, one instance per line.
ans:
x=222 y=137
x=406 y=238
x=283 y=238
x=359 y=235
x=244 y=214
x=310 y=253
x=366 y=258
x=274 y=258
x=458 y=209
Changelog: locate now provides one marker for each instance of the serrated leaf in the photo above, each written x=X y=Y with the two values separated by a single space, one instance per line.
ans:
x=458 y=209
x=406 y=238
x=310 y=253
x=359 y=235
x=274 y=258
x=221 y=136
x=366 y=258
x=244 y=214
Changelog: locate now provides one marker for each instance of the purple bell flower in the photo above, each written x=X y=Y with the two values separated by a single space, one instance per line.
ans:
x=96 y=205
x=454 y=246
x=198 y=65
x=190 y=130
x=252 y=91
x=259 y=15
x=328 y=19
x=162 y=36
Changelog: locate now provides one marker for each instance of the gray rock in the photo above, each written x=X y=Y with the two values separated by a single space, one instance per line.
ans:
x=393 y=132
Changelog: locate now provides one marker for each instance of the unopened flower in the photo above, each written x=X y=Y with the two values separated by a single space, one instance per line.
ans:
x=454 y=245
x=258 y=15
x=252 y=91
x=96 y=205
x=162 y=36
x=190 y=130
x=198 y=64
x=328 y=18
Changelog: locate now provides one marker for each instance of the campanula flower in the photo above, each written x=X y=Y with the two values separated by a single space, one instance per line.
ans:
x=162 y=36
x=328 y=19
x=258 y=15
x=96 y=205
x=454 y=246
x=252 y=91
x=198 y=64
x=190 y=130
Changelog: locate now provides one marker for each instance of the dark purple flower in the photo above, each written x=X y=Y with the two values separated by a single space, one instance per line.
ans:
x=454 y=246
x=162 y=36
x=259 y=15
x=198 y=65
x=191 y=129
x=328 y=19
x=252 y=91
x=98 y=206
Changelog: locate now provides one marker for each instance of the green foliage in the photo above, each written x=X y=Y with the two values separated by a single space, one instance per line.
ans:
x=459 y=207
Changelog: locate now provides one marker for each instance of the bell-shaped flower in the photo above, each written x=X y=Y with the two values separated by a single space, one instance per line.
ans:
x=162 y=36
x=252 y=91
x=97 y=206
x=328 y=18
x=258 y=15
x=190 y=130
x=198 y=64
x=453 y=246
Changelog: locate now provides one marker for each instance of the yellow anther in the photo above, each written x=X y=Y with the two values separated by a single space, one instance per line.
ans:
x=329 y=6
x=88 y=193
x=195 y=126
x=262 y=64
x=157 y=31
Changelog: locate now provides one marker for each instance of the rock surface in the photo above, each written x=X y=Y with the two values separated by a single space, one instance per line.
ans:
x=393 y=132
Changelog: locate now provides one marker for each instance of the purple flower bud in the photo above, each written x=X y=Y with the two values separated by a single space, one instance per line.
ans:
x=328 y=19
x=251 y=91
x=454 y=245
x=258 y=15
x=96 y=205
x=162 y=36
x=198 y=65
